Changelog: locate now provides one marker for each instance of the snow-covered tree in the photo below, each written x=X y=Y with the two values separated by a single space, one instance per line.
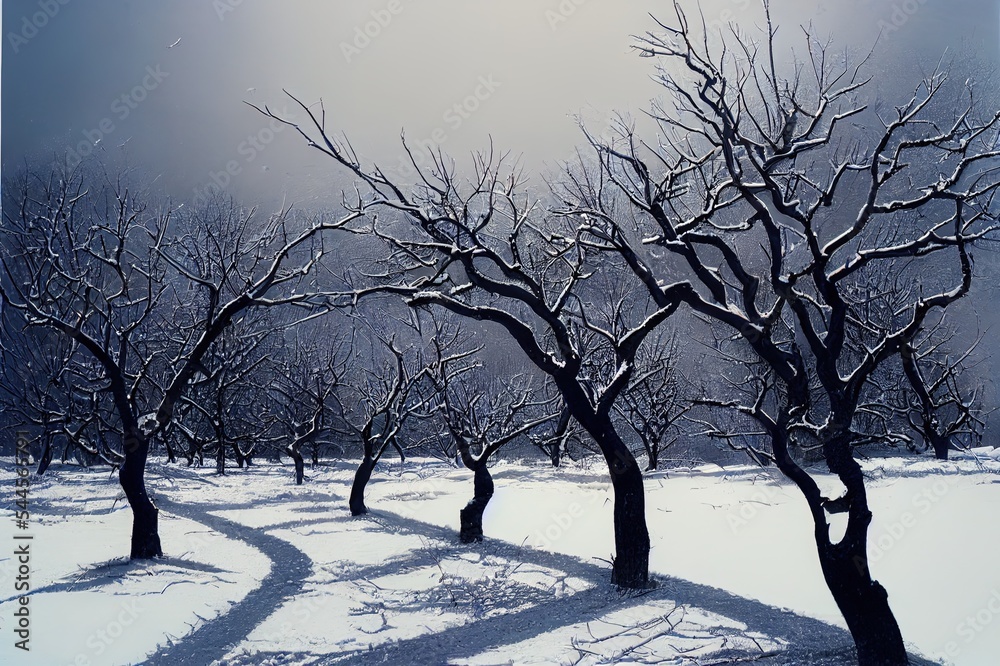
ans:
x=143 y=293
x=481 y=248
x=768 y=200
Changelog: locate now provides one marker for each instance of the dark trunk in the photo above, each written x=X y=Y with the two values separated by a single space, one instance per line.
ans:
x=940 y=444
x=864 y=604
x=653 y=453
x=555 y=454
x=631 y=561
x=400 y=451
x=238 y=455
x=220 y=458
x=361 y=477
x=45 y=458
x=862 y=600
x=299 y=462
x=929 y=421
x=145 y=535
x=471 y=516
x=631 y=564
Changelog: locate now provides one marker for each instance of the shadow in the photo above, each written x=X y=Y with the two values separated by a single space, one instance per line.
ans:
x=99 y=575
x=210 y=642
x=584 y=606
x=810 y=641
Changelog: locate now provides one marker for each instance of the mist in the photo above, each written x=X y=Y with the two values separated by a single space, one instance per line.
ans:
x=167 y=84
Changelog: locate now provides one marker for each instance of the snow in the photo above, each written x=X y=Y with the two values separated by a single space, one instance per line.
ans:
x=260 y=571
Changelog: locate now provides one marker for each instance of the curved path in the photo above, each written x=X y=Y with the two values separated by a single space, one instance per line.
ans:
x=810 y=641
x=211 y=641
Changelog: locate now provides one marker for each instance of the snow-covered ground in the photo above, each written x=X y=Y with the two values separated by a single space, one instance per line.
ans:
x=259 y=571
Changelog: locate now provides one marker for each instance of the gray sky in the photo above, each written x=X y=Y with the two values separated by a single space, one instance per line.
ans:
x=517 y=70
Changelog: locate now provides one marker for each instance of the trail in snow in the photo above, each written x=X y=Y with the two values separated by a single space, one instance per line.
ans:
x=211 y=641
x=518 y=614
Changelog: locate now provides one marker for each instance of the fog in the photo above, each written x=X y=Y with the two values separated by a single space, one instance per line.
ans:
x=167 y=81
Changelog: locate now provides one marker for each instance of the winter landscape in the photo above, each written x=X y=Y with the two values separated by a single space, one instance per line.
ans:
x=469 y=333
x=266 y=572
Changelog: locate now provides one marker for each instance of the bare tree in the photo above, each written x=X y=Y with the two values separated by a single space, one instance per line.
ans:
x=387 y=398
x=44 y=391
x=654 y=403
x=484 y=250
x=223 y=407
x=482 y=417
x=309 y=374
x=555 y=442
x=89 y=258
x=944 y=408
x=763 y=200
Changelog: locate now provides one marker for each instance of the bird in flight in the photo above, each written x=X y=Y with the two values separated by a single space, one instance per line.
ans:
x=175 y=43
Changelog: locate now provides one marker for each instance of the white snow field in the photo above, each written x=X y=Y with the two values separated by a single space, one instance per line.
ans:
x=260 y=571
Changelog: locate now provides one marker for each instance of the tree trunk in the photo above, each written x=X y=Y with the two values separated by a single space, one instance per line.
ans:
x=864 y=604
x=220 y=458
x=300 y=465
x=631 y=561
x=145 y=535
x=238 y=455
x=471 y=516
x=555 y=454
x=863 y=601
x=361 y=477
x=940 y=444
x=45 y=457
x=653 y=451
x=631 y=565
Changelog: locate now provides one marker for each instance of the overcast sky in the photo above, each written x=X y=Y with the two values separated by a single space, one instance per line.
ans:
x=170 y=78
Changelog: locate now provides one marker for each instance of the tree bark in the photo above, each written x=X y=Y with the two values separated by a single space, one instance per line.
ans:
x=220 y=458
x=653 y=451
x=862 y=601
x=131 y=476
x=864 y=604
x=940 y=444
x=361 y=478
x=631 y=562
x=299 y=462
x=471 y=516
x=238 y=454
x=45 y=457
